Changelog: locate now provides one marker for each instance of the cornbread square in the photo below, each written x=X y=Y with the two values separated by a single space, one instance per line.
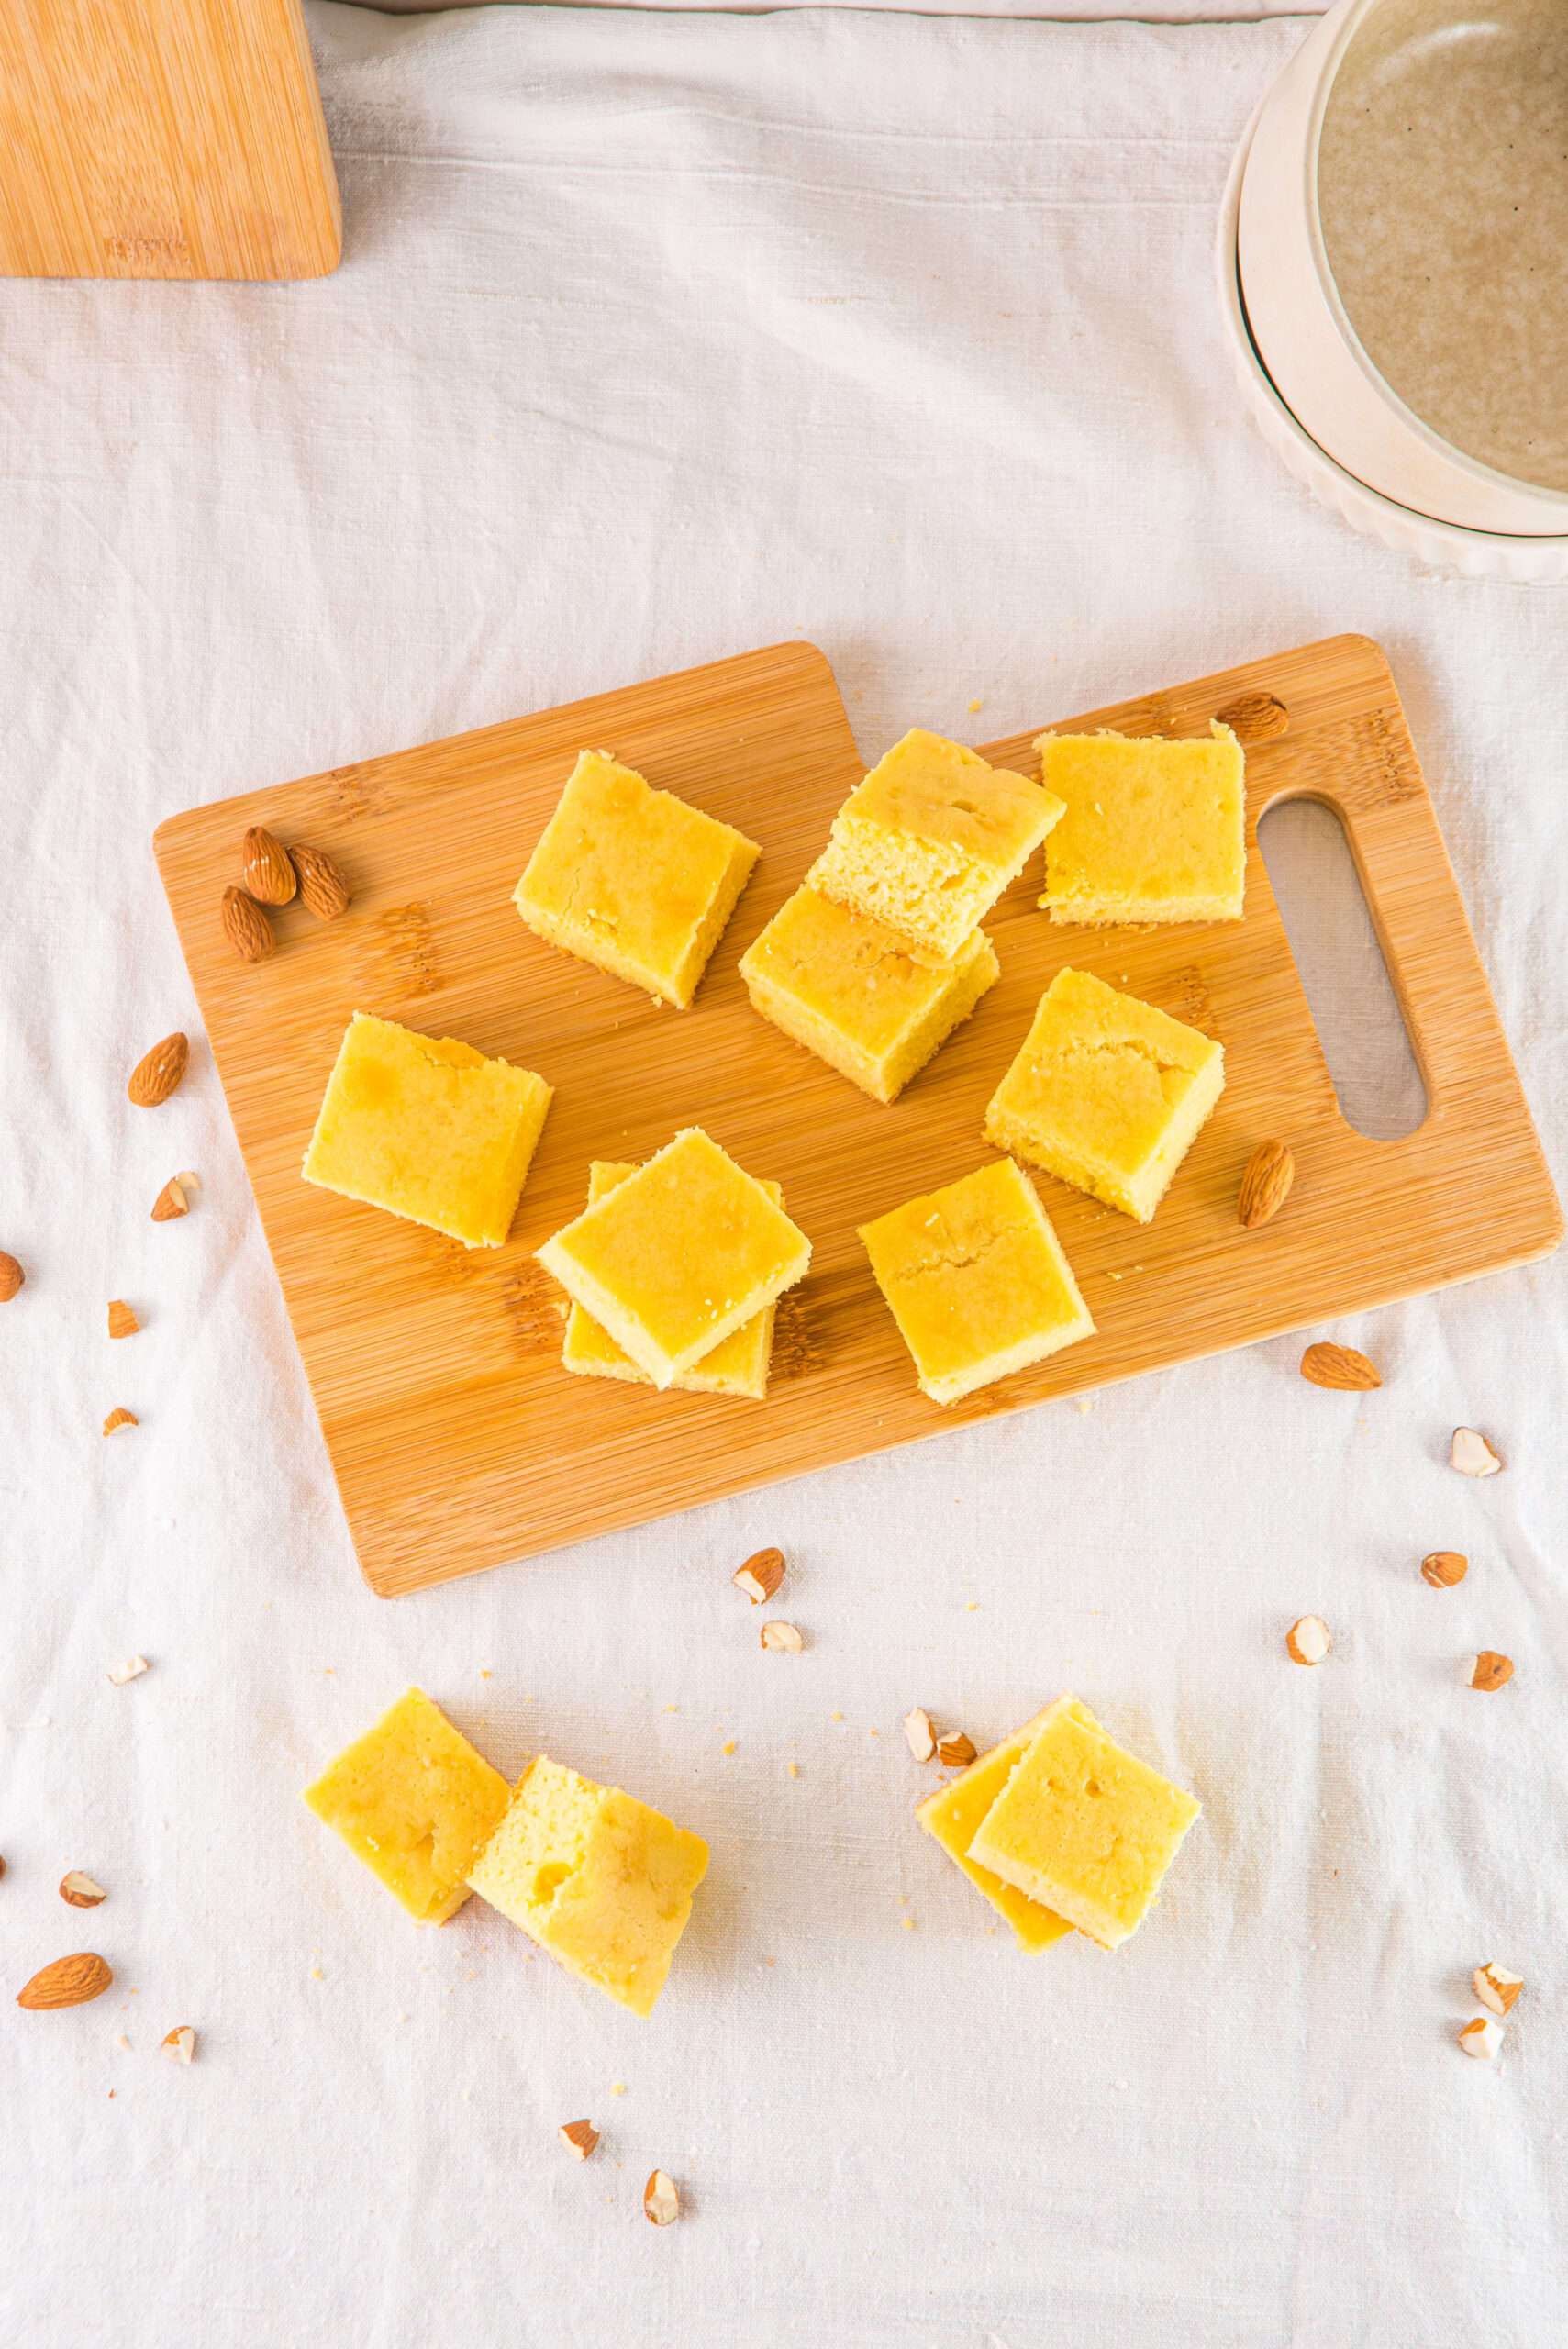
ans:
x=414 y=1801
x=929 y=841
x=1107 y=1092
x=634 y=880
x=595 y=1877
x=1083 y=1828
x=1154 y=831
x=429 y=1130
x=977 y=1281
x=956 y=1810
x=847 y=989
x=676 y=1257
x=737 y=1366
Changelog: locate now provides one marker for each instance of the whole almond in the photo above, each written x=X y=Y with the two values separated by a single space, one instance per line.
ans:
x=1270 y=1173
x=783 y=1636
x=247 y=927
x=120 y=1418
x=78 y=1890
x=180 y=2044
x=171 y=1201
x=760 y=1576
x=1444 y=1568
x=122 y=1322
x=69 y=1981
x=11 y=1277
x=269 y=875
x=1491 y=1670
x=1337 y=1366
x=1255 y=718
x=579 y=2137
x=322 y=888
x=661 y=2200
x=955 y=1750
x=158 y=1073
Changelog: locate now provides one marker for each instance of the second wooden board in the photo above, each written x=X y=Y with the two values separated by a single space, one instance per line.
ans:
x=457 y=1439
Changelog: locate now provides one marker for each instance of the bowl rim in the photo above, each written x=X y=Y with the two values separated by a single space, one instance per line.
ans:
x=1485 y=476
x=1396 y=519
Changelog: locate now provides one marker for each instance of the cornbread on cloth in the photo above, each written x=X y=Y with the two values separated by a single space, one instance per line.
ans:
x=737 y=1366
x=849 y=990
x=595 y=1877
x=427 y=1128
x=416 y=1803
x=1154 y=831
x=1083 y=1828
x=956 y=1810
x=975 y=1279
x=678 y=1255
x=1107 y=1092
x=929 y=840
x=633 y=880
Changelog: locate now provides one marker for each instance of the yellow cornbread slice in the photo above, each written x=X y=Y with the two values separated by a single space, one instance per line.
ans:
x=427 y=1128
x=737 y=1366
x=1083 y=1828
x=633 y=880
x=414 y=1801
x=1154 y=831
x=595 y=1877
x=847 y=989
x=678 y=1255
x=929 y=841
x=977 y=1281
x=1107 y=1092
x=956 y=1810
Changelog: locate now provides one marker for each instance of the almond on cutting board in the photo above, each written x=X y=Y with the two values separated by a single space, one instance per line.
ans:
x=157 y=1074
x=269 y=875
x=246 y=927
x=69 y=1981
x=322 y=888
x=1255 y=718
x=1270 y=1173
x=1338 y=1366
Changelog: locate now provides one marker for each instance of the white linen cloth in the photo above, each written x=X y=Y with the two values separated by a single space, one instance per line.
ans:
x=658 y=338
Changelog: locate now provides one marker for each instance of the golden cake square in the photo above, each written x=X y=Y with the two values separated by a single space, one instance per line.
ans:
x=956 y=1810
x=1083 y=1828
x=1107 y=1092
x=847 y=989
x=633 y=880
x=737 y=1366
x=1154 y=831
x=681 y=1254
x=427 y=1128
x=976 y=1280
x=416 y=1803
x=927 y=842
x=595 y=1877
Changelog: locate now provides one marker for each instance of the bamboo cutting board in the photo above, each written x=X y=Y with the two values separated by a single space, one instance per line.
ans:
x=457 y=1439
x=162 y=139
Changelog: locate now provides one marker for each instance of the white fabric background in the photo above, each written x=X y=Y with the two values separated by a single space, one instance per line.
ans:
x=657 y=338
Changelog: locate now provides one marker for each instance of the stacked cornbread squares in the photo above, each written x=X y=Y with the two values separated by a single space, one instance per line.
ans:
x=1061 y=1830
x=598 y=1878
x=879 y=956
x=1154 y=831
x=676 y=1256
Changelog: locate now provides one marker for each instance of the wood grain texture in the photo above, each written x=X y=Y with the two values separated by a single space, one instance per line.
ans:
x=457 y=1439
x=162 y=139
